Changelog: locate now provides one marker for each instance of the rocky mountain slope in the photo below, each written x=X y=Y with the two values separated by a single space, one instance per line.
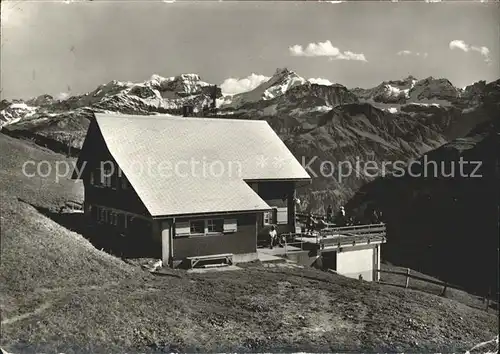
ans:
x=330 y=124
x=411 y=90
x=444 y=206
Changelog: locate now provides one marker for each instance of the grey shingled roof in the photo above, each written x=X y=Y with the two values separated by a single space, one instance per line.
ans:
x=243 y=149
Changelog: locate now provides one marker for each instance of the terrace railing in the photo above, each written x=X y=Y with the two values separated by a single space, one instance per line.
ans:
x=345 y=235
x=350 y=235
x=356 y=230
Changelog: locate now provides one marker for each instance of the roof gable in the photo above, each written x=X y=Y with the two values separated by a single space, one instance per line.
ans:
x=181 y=165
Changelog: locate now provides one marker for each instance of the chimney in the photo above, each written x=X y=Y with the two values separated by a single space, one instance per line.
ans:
x=214 y=100
x=187 y=110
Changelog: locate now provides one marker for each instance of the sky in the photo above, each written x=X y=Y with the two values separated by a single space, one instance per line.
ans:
x=62 y=48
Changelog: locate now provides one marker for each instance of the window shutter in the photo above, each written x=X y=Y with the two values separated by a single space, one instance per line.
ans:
x=182 y=228
x=230 y=225
x=282 y=216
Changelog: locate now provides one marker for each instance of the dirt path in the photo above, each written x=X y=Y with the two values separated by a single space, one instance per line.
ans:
x=46 y=305
x=72 y=288
x=27 y=315
x=493 y=343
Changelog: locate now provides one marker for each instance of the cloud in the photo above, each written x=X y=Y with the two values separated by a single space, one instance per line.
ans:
x=409 y=52
x=320 y=81
x=324 y=49
x=233 y=86
x=62 y=96
x=460 y=44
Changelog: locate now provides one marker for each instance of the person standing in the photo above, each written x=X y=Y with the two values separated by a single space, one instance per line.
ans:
x=341 y=217
x=329 y=213
x=272 y=236
x=322 y=223
x=309 y=224
x=281 y=240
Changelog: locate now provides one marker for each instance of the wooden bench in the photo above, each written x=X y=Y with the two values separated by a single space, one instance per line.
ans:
x=226 y=257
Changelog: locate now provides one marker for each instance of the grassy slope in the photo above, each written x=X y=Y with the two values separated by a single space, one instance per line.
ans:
x=36 y=252
x=287 y=309
x=39 y=253
x=451 y=293
x=48 y=192
x=58 y=293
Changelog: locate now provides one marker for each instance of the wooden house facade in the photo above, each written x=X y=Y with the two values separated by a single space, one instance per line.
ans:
x=143 y=213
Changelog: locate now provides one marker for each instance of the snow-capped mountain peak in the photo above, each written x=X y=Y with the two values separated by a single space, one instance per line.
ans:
x=279 y=83
x=184 y=84
x=433 y=89
x=14 y=112
x=393 y=91
x=410 y=90
x=282 y=80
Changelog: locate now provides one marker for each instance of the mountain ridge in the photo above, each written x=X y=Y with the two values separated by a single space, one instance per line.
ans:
x=328 y=121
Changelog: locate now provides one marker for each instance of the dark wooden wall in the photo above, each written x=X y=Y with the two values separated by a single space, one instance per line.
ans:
x=94 y=152
x=240 y=242
x=275 y=191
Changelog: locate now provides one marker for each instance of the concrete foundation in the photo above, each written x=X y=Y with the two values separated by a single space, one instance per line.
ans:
x=245 y=257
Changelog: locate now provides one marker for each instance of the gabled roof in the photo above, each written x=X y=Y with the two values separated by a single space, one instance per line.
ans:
x=181 y=165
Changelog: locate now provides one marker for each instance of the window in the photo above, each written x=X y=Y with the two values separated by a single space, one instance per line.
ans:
x=106 y=176
x=215 y=225
x=182 y=228
x=197 y=227
x=268 y=217
x=125 y=221
x=101 y=215
x=113 y=218
x=205 y=227
x=230 y=225
x=124 y=183
x=113 y=181
x=96 y=178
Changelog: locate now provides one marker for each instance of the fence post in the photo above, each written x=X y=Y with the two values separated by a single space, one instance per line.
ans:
x=443 y=293
x=488 y=300
x=407 y=278
x=286 y=243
